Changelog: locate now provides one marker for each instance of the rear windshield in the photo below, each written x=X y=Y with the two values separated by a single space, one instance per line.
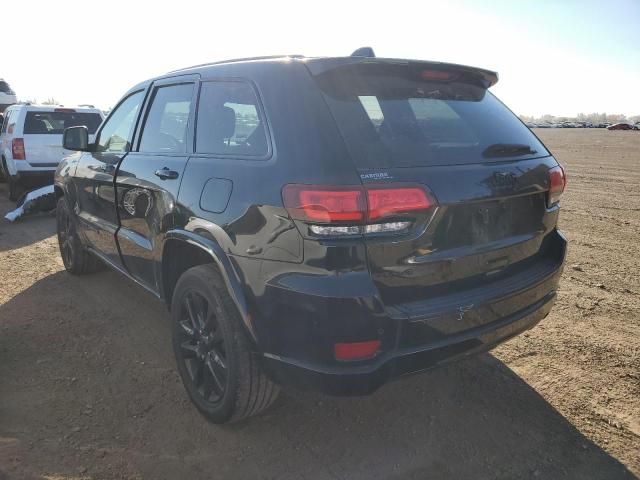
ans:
x=409 y=115
x=55 y=122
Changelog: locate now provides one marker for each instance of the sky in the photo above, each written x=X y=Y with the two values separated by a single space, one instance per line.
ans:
x=553 y=57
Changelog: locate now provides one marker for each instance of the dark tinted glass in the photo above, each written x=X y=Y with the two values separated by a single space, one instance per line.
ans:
x=165 y=128
x=42 y=123
x=116 y=132
x=391 y=116
x=229 y=120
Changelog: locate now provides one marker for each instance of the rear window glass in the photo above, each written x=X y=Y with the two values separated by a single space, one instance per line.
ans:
x=42 y=123
x=390 y=116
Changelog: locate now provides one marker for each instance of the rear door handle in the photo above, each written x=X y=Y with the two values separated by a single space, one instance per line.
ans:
x=166 y=174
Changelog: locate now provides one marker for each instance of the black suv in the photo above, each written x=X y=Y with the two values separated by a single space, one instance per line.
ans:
x=330 y=223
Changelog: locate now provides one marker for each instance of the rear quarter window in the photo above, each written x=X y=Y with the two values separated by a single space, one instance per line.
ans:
x=230 y=121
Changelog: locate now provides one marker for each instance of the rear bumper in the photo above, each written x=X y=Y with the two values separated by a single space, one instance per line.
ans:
x=365 y=379
x=433 y=335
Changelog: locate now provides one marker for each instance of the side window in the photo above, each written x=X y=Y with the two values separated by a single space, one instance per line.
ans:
x=5 y=121
x=229 y=120
x=165 y=126
x=116 y=132
x=11 y=121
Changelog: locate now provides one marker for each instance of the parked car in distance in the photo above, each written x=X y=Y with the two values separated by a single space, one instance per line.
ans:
x=328 y=223
x=7 y=95
x=620 y=126
x=31 y=142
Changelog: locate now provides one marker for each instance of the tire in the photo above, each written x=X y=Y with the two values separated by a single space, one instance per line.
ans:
x=215 y=361
x=77 y=260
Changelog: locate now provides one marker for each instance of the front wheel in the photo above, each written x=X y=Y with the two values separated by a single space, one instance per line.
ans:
x=218 y=369
x=76 y=258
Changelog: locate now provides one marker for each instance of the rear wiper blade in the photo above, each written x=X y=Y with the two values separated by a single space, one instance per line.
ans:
x=507 y=150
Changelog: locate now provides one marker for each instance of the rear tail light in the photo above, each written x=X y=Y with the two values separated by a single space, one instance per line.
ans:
x=17 y=149
x=354 y=210
x=557 y=183
x=356 y=351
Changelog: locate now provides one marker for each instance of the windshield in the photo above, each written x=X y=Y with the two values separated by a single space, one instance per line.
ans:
x=42 y=123
x=408 y=115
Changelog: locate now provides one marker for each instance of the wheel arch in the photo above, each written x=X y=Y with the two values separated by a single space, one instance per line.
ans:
x=182 y=250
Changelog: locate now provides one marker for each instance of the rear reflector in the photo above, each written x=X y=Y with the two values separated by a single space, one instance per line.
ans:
x=557 y=183
x=356 y=351
x=17 y=149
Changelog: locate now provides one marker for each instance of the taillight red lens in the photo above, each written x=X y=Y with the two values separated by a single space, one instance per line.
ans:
x=356 y=351
x=384 y=202
x=352 y=204
x=557 y=183
x=325 y=204
x=17 y=149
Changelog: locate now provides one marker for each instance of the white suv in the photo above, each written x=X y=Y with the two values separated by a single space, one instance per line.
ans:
x=7 y=96
x=31 y=142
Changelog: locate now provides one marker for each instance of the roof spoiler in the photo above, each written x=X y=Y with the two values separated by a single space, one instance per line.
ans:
x=318 y=66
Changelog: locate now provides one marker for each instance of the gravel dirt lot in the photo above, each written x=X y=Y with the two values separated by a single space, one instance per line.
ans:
x=88 y=387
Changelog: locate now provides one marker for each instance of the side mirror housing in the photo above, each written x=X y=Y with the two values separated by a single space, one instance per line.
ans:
x=76 y=138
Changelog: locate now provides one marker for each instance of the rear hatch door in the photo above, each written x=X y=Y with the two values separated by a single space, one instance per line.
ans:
x=436 y=126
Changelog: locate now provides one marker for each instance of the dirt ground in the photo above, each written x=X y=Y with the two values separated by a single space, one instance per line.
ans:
x=88 y=387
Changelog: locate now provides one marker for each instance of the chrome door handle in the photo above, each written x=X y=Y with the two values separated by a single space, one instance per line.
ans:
x=166 y=174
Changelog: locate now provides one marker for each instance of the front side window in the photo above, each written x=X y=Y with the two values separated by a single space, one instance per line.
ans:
x=165 y=128
x=229 y=120
x=116 y=133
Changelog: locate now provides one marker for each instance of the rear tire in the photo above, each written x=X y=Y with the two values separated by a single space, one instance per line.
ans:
x=77 y=260
x=218 y=369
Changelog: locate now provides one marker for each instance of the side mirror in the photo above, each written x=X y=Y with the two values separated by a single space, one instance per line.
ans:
x=76 y=138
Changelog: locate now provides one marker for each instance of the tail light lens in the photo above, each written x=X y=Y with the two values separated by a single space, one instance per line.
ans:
x=354 y=210
x=17 y=149
x=557 y=183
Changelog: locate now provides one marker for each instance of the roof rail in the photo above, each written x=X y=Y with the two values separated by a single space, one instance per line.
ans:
x=236 y=60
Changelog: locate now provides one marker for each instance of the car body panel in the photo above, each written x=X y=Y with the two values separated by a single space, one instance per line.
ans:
x=426 y=300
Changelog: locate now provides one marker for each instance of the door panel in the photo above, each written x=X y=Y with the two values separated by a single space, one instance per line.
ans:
x=95 y=174
x=148 y=180
x=146 y=205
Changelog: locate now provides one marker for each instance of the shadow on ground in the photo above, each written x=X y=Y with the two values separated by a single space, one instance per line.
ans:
x=89 y=389
x=25 y=231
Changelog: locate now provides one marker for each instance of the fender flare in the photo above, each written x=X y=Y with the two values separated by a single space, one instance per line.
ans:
x=228 y=272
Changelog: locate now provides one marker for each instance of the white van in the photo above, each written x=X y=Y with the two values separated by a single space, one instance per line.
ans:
x=31 y=141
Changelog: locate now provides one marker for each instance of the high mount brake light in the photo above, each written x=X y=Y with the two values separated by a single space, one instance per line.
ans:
x=557 y=184
x=438 y=75
x=353 y=210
